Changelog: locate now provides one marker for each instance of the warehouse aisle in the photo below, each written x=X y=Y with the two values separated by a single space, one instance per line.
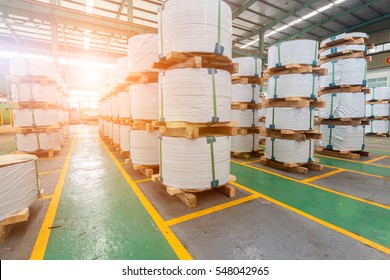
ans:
x=99 y=216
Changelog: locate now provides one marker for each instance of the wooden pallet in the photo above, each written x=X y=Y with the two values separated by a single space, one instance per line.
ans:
x=37 y=129
x=344 y=55
x=245 y=106
x=147 y=170
x=378 y=118
x=302 y=168
x=247 y=155
x=262 y=119
x=247 y=80
x=343 y=121
x=30 y=79
x=380 y=134
x=125 y=121
x=41 y=153
x=142 y=77
x=125 y=153
x=188 y=197
x=343 y=42
x=7 y=224
x=355 y=155
x=343 y=88
x=35 y=105
x=175 y=60
x=288 y=134
x=147 y=125
x=378 y=102
x=262 y=142
x=295 y=69
x=296 y=102
x=248 y=130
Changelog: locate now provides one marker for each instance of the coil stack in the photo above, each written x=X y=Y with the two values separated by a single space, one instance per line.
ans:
x=292 y=91
x=342 y=121
x=378 y=111
x=195 y=97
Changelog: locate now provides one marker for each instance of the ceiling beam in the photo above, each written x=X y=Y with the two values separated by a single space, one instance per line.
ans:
x=243 y=8
x=10 y=30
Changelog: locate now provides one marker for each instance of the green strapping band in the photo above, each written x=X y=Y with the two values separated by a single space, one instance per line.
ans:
x=372 y=110
x=161 y=102
x=219 y=26
x=331 y=105
x=39 y=143
x=311 y=117
x=256 y=74
x=330 y=136
x=276 y=86
x=279 y=63
x=273 y=117
x=214 y=94
x=273 y=148
x=315 y=53
x=253 y=93
x=309 y=159
x=373 y=93
x=211 y=141
x=161 y=160
x=333 y=63
x=312 y=87
x=253 y=142
x=365 y=70
x=371 y=126
x=253 y=118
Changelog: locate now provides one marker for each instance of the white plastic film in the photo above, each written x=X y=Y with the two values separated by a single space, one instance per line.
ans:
x=35 y=117
x=246 y=118
x=110 y=129
x=245 y=93
x=115 y=106
x=106 y=128
x=104 y=108
x=31 y=66
x=195 y=26
x=290 y=118
x=19 y=186
x=121 y=69
x=361 y=48
x=343 y=105
x=351 y=71
x=245 y=143
x=296 y=51
x=379 y=93
x=124 y=140
x=61 y=117
x=289 y=150
x=144 y=147
x=101 y=125
x=142 y=52
x=189 y=163
x=378 y=126
x=109 y=107
x=195 y=95
x=37 y=141
x=378 y=110
x=340 y=137
x=115 y=133
x=34 y=93
x=124 y=104
x=345 y=35
x=262 y=112
x=248 y=66
x=144 y=101
x=302 y=85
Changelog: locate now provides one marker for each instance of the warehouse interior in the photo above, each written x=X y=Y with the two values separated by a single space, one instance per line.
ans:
x=121 y=137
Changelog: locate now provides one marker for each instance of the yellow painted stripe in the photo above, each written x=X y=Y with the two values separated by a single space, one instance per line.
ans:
x=210 y=210
x=7 y=140
x=326 y=224
x=45 y=197
x=328 y=174
x=39 y=249
x=375 y=159
x=252 y=161
x=316 y=186
x=49 y=172
x=359 y=172
x=176 y=245
x=143 y=180
x=355 y=161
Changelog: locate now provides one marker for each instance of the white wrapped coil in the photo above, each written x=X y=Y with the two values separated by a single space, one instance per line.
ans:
x=302 y=85
x=124 y=138
x=34 y=93
x=61 y=116
x=142 y=52
x=106 y=128
x=290 y=118
x=195 y=26
x=345 y=35
x=343 y=105
x=296 y=51
x=66 y=129
x=340 y=137
x=248 y=66
x=378 y=126
x=379 y=93
x=19 y=186
x=37 y=141
x=262 y=112
x=246 y=118
x=101 y=125
x=245 y=143
x=31 y=66
x=115 y=106
x=144 y=101
x=115 y=133
x=188 y=95
x=378 y=110
x=121 y=69
x=104 y=108
x=351 y=71
x=144 y=147
x=245 y=93
x=109 y=107
x=124 y=104
x=35 y=117
x=289 y=150
x=188 y=163
x=110 y=127
x=361 y=48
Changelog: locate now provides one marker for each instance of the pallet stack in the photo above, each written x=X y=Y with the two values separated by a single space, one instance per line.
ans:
x=36 y=114
x=378 y=111
x=292 y=90
x=195 y=98
x=343 y=119
x=245 y=107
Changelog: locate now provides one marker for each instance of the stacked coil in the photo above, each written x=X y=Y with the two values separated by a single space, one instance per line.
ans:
x=378 y=111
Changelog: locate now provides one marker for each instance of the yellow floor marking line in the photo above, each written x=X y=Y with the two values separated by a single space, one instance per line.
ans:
x=210 y=210
x=251 y=161
x=176 y=245
x=328 y=174
x=39 y=249
x=143 y=180
x=375 y=159
x=359 y=172
x=45 y=197
x=316 y=186
x=49 y=172
x=326 y=224
x=7 y=140
x=355 y=161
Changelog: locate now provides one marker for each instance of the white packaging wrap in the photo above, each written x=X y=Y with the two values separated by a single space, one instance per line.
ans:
x=245 y=143
x=378 y=126
x=361 y=48
x=340 y=137
x=37 y=141
x=351 y=71
x=106 y=128
x=109 y=107
x=296 y=51
x=195 y=26
x=19 y=186
x=142 y=52
x=379 y=93
x=345 y=35
x=289 y=150
x=378 y=110
x=188 y=163
x=144 y=147
x=35 y=117
x=246 y=118
x=245 y=93
x=115 y=133
x=124 y=104
x=61 y=117
x=343 y=105
x=104 y=108
x=101 y=125
x=121 y=69
x=34 y=93
x=144 y=101
x=115 y=106
x=290 y=118
x=248 y=66
x=188 y=95
x=262 y=112
x=301 y=85
x=31 y=66
x=110 y=127
x=66 y=129
x=124 y=138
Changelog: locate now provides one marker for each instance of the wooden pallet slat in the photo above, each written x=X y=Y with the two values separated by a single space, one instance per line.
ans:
x=30 y=79
x=295 y=69
x=247 y=80
x=41 y=153
x=147 y=170
x=343 y=121
x=288 y=134
x=245 y=106
x=302 y=168
x=344 y=41
x=344 y=55
x=247 y=155
x=296 y=102
x=355 y=155
x=343 y=88
x=7 y=224
x=248 y=130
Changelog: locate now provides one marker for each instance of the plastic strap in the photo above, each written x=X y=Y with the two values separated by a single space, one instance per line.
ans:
x=253 y=117
x=365 y=73
x=309 y=159
x=373 y=93
x=161 y=169
x=256 y=70
x=253 y=92
x=333 y=82
x=311 y=117
x=162 y=119
x=371 y=126
x=276 y=86
x=315 y=55
x=253 y=142
x=330 y=146
x=331 y=104
x=272 y=126
x=38 y=142
x=210 y=140
x=161 y=33
x=313 y=94
x=33 y=117
x=218 y=48
x=215 y=117
x=372 y=110
x=279 y=59
x=364 y=133
x=273 y=148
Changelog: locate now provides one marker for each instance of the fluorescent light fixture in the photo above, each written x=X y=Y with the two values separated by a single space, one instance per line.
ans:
x=89 y=6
